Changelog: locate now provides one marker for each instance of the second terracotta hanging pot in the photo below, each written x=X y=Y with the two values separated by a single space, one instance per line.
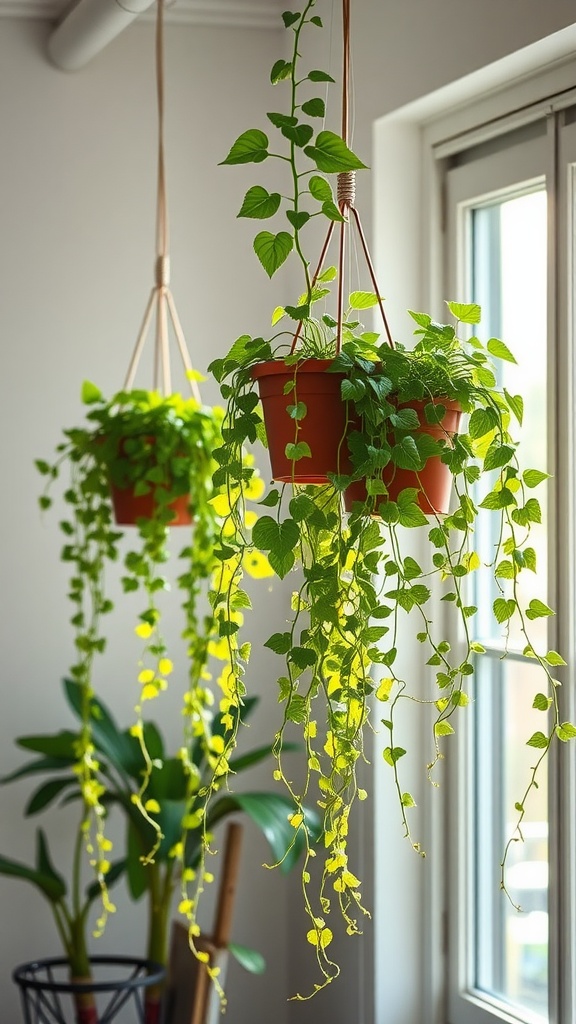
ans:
x=433 y=482
x=323 y=427
x=129 y=506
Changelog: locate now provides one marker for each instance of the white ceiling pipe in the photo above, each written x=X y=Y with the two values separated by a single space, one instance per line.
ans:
x=89 y=27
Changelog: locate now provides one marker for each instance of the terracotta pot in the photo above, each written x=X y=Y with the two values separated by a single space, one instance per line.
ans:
x=323 y=428
x=128 y=507
x=433 y=482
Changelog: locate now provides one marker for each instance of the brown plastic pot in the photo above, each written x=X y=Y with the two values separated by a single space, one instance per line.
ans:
x=433 y=482
x=323 y=428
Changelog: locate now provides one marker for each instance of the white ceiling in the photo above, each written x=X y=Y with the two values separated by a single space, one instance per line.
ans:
x=247 y=13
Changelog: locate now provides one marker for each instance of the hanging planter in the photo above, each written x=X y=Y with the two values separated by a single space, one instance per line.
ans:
x=432 y=479
x=305 y=419
x=395 y=434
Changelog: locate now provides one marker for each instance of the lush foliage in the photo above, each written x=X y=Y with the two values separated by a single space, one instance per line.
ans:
x=342 y=649
x=158 y=446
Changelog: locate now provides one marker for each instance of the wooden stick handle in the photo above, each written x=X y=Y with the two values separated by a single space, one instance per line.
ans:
x=227 y=890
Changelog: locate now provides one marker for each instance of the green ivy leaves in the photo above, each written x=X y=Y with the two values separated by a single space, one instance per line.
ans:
x=272 y=250
x=250 y=147
x=279 y=541
x=331 y=154
x=259 y=203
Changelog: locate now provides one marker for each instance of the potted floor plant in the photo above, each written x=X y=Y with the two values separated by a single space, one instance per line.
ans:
x=417 y=436
x=175 y=804
x=71 y=903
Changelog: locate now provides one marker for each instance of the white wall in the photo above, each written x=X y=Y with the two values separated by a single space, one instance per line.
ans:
x=76 y=256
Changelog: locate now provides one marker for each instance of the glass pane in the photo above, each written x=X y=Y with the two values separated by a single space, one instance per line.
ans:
x=511 y=948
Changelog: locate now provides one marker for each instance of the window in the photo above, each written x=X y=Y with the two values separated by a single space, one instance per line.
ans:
x=508 y=245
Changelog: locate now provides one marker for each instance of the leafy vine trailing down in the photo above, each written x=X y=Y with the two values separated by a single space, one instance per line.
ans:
x=341 y=645
x=159 y=446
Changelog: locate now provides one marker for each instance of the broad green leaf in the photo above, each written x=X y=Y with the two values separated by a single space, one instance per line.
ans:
x=314 y=107
x=303 y=657
x=443 y=728
x=408 y=800
x=297 y=312
x=49 y=887
x=250 y=959
x=272 y=250
x=466 y=312
x=90 y=393
x=411 y=569
x=320 y=76
x=566 y=731
x=499 y=350
x=300 y=450
x=405 y=419
x=250 y=147
x=362 y=300
x=298 y=411
x=541 y=702
x=538 y=610
x=530 y=513
x=409 y=512
x=47 y=793
x=330 y=210
x=281 y=70
x=482 y=421
x=316 y=20
x=297 y=220
x=538 y=740
x=553 y=658
x=259 y=203
x=299 y=134
x=422 y=319
x=330 y=274
x=290 y=18
x=281 y=120
x=498 y=455
x=405 y=454
x=44 y=861
x=297 y=710
x=272 y=536
x=393 y=754
x=503 y=609
x=533 y=477
x=331 y=154
x=498 y=499
x=60 y=745
x=322 y=191
x=280 y=643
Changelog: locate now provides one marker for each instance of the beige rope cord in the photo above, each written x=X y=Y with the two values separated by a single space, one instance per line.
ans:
x=161 y=300
x=346 y=199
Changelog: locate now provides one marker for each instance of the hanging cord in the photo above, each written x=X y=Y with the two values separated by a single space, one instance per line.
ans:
x=161 y=299
x=346 y=198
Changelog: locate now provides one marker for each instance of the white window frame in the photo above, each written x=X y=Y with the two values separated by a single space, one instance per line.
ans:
x=408 y=223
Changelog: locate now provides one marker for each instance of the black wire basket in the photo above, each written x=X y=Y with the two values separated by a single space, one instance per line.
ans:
x=118 y=985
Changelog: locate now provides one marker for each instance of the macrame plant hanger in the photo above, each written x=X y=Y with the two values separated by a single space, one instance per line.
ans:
x=346 y=199
x=161 y=301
